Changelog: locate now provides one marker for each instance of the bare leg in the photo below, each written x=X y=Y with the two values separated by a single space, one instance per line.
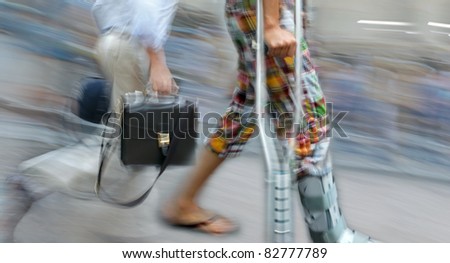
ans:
x=183 y=209
x=207 y=164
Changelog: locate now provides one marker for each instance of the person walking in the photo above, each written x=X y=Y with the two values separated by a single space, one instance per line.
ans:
x=314 y=174
x=130 y=47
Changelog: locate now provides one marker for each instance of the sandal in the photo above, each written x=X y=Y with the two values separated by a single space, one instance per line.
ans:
x=212 y=224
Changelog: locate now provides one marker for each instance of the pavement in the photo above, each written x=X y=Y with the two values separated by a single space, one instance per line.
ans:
x=392 y=197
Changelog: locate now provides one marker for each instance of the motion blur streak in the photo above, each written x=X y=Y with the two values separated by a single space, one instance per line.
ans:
x=386 y=63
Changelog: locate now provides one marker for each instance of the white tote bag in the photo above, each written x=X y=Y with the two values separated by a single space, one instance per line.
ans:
x=71 y=170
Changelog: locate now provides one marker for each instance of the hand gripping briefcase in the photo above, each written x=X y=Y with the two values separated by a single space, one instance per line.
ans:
x=159 y=131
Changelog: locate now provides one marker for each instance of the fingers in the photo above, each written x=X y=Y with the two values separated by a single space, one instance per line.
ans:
x=283 y=51
x=165 y=87
x=292 y=49
x=175 y=87
x=162 y=80
x=162 y=89
x=281 y=44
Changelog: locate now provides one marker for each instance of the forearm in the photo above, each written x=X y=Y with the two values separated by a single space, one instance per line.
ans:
x=157 y=57
x=160 y=77
x=271 y=13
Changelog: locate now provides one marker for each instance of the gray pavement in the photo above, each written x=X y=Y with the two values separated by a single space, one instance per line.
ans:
x=393 y=195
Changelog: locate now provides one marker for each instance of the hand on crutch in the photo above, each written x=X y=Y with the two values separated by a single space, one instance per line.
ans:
x=279 y=42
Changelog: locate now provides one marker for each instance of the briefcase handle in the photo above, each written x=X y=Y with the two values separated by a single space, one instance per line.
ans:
x=163 y=99
x=137 y=98
x=154 y=94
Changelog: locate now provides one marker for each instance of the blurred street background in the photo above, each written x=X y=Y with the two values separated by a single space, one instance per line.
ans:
x=385 y=63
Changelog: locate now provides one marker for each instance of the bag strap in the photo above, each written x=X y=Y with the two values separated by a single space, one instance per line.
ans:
x=104 y=156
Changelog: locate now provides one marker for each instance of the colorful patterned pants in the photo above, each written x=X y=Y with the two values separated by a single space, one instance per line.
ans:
x=238 y=123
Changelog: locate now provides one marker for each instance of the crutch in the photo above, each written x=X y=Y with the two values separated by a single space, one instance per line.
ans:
x=278 y=155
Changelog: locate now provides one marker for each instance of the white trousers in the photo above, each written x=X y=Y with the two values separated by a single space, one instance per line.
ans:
x=125 y=63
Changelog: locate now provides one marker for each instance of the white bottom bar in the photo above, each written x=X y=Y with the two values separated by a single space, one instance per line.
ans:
x=198 y=252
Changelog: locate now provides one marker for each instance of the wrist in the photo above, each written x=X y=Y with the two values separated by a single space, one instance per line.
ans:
x=270 y=23
x=271 y=12
x=156 y=56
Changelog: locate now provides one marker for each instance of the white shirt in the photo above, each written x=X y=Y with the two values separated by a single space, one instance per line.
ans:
x=147 y=20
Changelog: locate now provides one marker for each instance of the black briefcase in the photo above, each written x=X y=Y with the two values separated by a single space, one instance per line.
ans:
x=158 y=130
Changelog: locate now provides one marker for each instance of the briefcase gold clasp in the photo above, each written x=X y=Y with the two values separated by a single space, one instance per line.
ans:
x=163 y=139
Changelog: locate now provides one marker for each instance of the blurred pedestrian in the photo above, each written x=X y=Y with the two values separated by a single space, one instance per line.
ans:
x=130 y=47
x=315 y=180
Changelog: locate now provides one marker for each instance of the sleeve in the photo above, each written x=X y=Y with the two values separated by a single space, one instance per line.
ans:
x=152 y=20
x=96 y=10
